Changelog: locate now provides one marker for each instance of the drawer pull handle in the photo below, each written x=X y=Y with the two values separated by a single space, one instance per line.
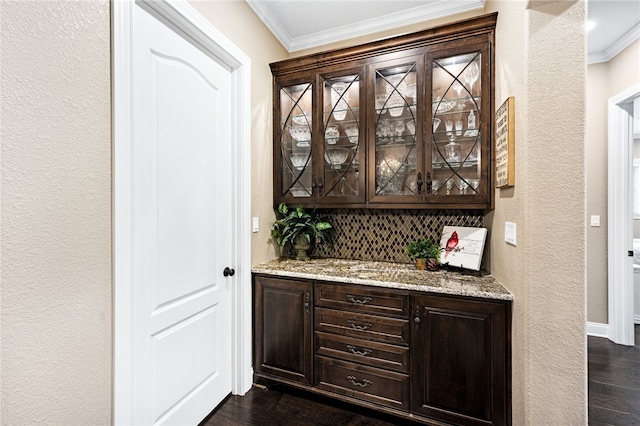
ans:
x=363 y=326
x=362 y=383
x=351 y=298
x=354 y=350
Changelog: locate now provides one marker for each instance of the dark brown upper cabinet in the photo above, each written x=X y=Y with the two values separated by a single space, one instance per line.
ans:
x=405 y=122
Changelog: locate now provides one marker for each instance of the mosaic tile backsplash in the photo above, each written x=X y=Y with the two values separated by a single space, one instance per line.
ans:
x=381 y=235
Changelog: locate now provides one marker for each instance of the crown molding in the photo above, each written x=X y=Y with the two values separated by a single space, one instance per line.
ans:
x=618 y=46
x=434 y=10
x=262 y=9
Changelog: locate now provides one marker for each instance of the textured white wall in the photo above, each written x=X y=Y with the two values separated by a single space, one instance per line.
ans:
x=597 y=157
x=624 y=69
x=555 y=214
x=508 y=263
x=541 y=61
x=56 y=213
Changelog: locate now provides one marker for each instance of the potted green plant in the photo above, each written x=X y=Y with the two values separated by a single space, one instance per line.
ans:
x=301 y=230
x=426 y=254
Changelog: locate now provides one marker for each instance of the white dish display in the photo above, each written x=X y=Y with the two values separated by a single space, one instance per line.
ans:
x=300 y=192
x=441 y=106
x=303 y=119
x=299 y=159
x=352 y=132
x=302 y=134
x=336 y=157
x=331 y=134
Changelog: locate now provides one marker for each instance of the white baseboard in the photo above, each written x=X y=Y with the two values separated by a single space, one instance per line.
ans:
x=636 y=319
x=597 y=329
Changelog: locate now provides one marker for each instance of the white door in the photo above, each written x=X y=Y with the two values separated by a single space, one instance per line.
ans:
x=181 y=159
x=620 y=216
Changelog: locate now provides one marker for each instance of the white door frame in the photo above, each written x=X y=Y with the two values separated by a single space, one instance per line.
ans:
x=182 y=18
x=620 y=277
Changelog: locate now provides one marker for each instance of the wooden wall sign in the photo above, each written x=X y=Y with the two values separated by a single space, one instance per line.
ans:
x=505 y=144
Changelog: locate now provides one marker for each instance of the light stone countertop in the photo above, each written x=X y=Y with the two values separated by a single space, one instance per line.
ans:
x=392 y=275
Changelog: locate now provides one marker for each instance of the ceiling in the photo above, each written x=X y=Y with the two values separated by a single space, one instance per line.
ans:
x=618 y=21
x=617 y=24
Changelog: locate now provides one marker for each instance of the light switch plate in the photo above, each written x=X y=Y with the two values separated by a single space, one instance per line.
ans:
x=510 y=232
x=255 y=225
x=595 y=220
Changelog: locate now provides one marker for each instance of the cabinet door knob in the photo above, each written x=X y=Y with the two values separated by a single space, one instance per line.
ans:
x=228 y=272
x=416 y=319
x=307 y=302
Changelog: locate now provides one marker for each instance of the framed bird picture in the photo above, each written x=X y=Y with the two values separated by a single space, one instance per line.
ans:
x=462 y=246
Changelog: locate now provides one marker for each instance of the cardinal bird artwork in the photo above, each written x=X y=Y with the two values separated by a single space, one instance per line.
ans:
x=452 y=243
x=462 y=246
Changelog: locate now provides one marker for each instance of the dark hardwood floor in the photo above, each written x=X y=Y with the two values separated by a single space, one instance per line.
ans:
x=614 y=382
x=614 y=397
x=281 y=405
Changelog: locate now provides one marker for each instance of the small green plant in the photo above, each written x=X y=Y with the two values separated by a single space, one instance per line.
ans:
x=423 y=249
x=292 y=223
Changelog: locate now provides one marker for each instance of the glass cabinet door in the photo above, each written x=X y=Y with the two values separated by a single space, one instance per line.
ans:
x=341 y=180
x=397 y=153
x=402 y=123
x=296 y=172
x=456 y=153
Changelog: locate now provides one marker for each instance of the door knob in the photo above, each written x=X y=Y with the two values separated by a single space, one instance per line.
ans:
x=228 y=272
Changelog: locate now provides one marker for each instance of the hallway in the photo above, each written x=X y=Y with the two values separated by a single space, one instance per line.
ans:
x=614 y=382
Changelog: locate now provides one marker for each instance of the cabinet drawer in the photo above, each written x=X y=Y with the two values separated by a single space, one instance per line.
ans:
x=362 y=326
x=366 y=383
x=362 y=299
x=363 y=351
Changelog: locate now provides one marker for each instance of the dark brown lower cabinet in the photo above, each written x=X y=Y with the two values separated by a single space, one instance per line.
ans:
x=459 y=360
x=437 y=359
x=283 y=329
